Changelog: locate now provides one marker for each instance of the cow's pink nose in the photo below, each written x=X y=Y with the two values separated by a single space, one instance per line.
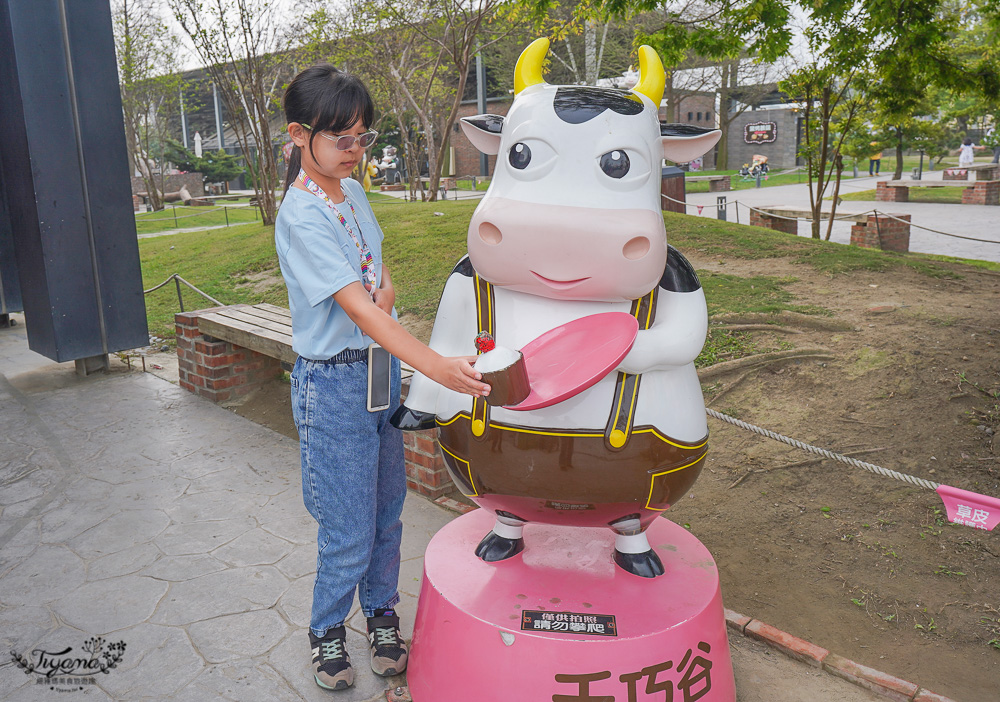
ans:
x=490 y=233
x=635 y=248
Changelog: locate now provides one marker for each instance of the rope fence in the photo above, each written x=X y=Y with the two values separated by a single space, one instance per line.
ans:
x=870 y=467
x=180 y=298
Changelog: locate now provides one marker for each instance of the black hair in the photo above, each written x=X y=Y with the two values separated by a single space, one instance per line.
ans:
x=325 y=98
x=967 y=141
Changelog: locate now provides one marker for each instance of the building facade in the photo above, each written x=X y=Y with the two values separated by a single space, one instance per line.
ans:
x=772 y=133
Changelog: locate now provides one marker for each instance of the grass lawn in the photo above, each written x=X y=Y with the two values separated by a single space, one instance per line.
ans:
x=239 y=265
x=947 y=194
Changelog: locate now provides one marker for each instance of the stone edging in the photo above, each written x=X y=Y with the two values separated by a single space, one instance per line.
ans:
x=880 y=683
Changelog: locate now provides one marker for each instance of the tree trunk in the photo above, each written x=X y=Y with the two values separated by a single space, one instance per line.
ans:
x=839 y=164
x=722 y=160
x=590 y=52
x=670 y=98
x=899 y=154
x=143 y=166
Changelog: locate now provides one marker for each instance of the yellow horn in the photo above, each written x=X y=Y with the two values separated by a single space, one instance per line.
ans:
x=529 y=65
x=652 y=79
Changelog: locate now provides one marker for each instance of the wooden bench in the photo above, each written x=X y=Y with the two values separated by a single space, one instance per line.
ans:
x=716 y=183
x=980 y=192
x=881 y=231
x=225 y=353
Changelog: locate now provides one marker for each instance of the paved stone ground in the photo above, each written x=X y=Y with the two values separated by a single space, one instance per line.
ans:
x=979 y=221
x=135 y=511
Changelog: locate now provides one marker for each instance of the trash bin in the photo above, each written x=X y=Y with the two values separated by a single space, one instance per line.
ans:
x=672 y=186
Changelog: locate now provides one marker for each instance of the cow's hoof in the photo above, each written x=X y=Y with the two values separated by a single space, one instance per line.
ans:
x=645 y=565
x=495 y=548
x=406 y=419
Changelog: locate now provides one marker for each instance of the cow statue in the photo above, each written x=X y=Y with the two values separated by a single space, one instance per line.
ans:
x=571 y=226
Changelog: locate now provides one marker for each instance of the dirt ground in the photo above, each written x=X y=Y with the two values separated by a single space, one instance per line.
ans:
x=863 y=565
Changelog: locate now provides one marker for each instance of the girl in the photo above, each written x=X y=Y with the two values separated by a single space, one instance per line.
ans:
x=966 y=153
x=341 y=299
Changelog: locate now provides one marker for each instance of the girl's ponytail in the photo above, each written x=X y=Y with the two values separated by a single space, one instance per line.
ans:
x=294 y=166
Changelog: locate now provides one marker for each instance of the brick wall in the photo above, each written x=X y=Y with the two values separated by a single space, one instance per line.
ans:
x=983 y=192
x=218 y=370
x=722 y=185
x=881 y=232
x=988 y=173
x=955 y=174
x=697 y=110
x=467 y=155
x=884 y=193
x=425 y=469
x=778 y=224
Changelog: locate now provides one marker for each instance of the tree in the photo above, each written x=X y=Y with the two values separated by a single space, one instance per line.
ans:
x=421 y=52
x=214 y=166
x=829 y=114
x=900 y=47
x=237 y=40
x=147 y=53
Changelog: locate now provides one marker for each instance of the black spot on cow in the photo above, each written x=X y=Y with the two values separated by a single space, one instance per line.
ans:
x=577 y=105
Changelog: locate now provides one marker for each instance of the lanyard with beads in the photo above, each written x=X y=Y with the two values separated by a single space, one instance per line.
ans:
x=367 y=261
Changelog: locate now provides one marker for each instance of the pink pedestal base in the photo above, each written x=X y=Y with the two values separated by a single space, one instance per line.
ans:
x=529 y=628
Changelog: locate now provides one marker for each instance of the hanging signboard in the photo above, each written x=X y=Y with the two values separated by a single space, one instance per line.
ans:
x=760 y=133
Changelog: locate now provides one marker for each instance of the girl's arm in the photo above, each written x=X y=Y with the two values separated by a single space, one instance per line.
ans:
x=454 y=372
x=384 y=296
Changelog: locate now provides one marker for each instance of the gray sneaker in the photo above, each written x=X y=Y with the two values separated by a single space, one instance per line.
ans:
x=388 y=648
x=331 y=663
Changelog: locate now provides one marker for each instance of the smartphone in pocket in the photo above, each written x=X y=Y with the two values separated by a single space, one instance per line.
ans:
x=379 y=366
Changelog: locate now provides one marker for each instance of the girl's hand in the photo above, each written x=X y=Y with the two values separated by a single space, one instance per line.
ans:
x=383 y=297
x=456 y=373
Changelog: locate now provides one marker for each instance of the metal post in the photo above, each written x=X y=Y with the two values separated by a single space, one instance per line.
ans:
x=484 y=160
x=180 y=298
x=218 y=117
x=758 y=177
x=184 y=124
x=720 y=203
x=226 y=210
x=920 y=173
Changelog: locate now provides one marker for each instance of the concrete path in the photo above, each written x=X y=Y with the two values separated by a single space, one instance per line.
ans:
x=137 y=512
x=978 y=221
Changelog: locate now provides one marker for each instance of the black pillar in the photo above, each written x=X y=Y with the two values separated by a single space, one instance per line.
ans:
x=66 y=179
x=10 y=288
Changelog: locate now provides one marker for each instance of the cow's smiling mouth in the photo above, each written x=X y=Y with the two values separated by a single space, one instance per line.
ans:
x=559 y=284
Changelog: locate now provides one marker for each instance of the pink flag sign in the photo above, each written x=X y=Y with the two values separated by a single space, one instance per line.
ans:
x=970 y=508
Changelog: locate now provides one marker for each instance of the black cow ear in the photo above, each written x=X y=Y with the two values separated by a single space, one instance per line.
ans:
x=484 y=132
x=685 y=142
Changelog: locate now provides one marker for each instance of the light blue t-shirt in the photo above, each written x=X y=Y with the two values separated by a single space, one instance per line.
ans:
x=318 y=258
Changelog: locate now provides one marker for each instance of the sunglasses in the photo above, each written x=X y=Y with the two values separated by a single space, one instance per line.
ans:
x=346 y=143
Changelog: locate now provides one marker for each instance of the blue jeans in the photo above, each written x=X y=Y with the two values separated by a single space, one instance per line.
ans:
x=353 y=484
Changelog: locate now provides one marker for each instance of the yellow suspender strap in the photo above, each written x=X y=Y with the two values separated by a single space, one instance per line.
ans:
x=485 y=322
x=619 y=427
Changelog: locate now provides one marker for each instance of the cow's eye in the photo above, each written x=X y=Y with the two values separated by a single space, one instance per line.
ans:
x=615 y=163
x=519 y=156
